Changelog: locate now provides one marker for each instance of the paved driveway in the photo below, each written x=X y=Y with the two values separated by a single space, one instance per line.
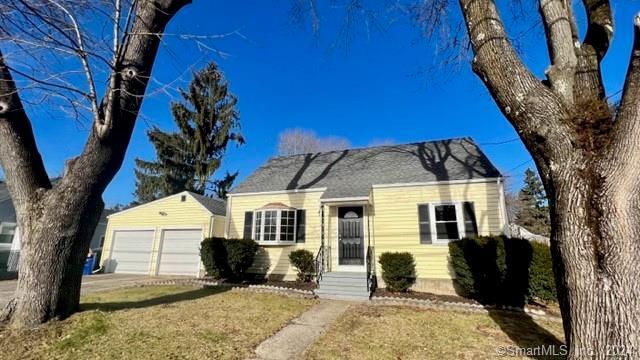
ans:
x=90 y=284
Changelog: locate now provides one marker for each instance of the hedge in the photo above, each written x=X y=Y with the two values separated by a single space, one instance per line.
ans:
x=304 y=263
x=227 y=258
x=398 y=270
x=501 y=270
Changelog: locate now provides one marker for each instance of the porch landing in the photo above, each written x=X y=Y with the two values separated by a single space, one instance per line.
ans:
x=340 y=285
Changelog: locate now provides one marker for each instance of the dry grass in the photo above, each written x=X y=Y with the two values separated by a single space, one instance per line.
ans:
x=375 y=332
x=158 y=322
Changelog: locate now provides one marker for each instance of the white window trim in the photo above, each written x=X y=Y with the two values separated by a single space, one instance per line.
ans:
x=459 y=221
x=261 y=241
x=15 y=230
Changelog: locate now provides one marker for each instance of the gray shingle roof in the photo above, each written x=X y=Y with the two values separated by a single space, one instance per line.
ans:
x=215 y=205
x=351 y=173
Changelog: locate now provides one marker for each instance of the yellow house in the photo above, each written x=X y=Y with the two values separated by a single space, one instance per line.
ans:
x=162 y=237
x=350 y=206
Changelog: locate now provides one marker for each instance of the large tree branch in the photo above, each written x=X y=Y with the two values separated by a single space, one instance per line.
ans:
x=19 y=156
x=600 y=28
x=624 y=152
x=105 y=149
x=588 y=82
x=537 y=114
x=84 y=59
x=562 y=50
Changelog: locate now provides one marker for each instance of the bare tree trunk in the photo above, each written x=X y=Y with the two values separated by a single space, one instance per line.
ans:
x=57 y=221
x=588 y=162
x=597 y=265
x=55 y=243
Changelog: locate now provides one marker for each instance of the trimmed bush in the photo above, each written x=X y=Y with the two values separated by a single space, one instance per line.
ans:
x=398 y=270
x=542 y=282
x=227 y=258
x=214 y=257
x=304 y=263
x=501 y=270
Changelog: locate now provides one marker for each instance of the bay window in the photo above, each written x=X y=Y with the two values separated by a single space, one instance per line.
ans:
x=274 y=226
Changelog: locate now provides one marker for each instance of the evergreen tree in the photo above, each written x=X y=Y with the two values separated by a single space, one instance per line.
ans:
x=533 y=210
x=207 y=120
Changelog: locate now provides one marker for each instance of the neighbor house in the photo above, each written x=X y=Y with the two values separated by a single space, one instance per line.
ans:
x=10 y=234
x=162 y=237
x=350 y=206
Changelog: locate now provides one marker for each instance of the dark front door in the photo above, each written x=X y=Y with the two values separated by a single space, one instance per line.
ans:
x=350 y=236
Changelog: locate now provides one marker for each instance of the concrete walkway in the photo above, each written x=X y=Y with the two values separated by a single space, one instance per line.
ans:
x=295 y=338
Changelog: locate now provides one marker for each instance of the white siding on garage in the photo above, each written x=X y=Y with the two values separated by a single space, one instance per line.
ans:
x=131 y=251
x=180 y=254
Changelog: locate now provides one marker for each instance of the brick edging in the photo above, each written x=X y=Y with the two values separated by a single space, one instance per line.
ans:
x=374 y=300
x=291 y=292
x=459 y=306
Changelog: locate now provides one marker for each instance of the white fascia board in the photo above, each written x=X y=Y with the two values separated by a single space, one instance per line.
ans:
x=311 y=190
x=151 y=202
x=346 y=199
x=431 y=183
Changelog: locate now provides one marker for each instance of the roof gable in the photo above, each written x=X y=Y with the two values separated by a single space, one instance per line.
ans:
x=214 y=206
x=349 y=173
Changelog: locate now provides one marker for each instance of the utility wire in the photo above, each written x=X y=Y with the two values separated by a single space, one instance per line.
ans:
x=500 y=142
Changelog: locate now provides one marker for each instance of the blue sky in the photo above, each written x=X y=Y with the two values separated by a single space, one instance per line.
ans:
x=285 y=77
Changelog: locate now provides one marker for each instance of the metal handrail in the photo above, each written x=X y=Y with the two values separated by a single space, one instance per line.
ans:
x=371 y=274
x=319 y=264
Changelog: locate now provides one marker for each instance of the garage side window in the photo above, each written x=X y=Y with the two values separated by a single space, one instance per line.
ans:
x=7 y=231
x=274 y=226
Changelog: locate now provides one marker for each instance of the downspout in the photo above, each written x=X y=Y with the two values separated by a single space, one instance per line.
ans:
x=503 y=208
x=227 y=217
x=372 y=242
x=322 y=234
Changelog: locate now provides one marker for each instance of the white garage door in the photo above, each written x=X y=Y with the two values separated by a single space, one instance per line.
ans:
x=180 y=252
x=131 y=252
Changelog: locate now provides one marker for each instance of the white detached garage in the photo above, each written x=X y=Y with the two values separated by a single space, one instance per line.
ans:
x=162 y=237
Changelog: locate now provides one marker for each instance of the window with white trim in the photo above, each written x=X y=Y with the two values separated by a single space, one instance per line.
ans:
x=7 y=231
x=446 y=222
x=274 y=226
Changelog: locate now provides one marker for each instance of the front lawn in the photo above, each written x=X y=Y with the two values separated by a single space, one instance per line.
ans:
x=385 y=332
x=158 y=322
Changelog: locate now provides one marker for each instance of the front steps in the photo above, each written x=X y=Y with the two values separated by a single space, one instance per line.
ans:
x=343 y=286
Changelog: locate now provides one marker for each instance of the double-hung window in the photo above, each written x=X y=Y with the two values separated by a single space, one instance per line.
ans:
x=440 y=223
x=274 y=226
x=446 y=222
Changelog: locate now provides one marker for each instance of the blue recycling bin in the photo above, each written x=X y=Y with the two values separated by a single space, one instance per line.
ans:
x=88 y=266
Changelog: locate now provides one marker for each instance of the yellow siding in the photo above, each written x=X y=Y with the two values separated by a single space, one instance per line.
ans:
x=218 y=226
x=395 y=220
x=275 y=259
x=175 y=214
x=391 y=224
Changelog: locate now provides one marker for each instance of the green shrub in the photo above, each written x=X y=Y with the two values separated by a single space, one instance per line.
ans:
x=304 y=263
x=240 y=255
x=501 y=270
x=398 y=271
x=541 y=279
x=227 y=258
x=214 y=257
